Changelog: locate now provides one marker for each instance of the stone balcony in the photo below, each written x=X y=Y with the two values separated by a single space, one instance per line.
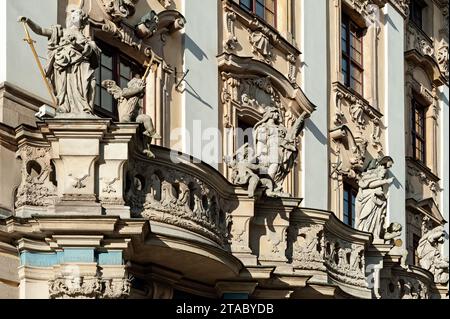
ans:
x=90 y=200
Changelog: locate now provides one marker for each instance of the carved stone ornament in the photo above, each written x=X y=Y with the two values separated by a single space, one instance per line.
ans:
x=252 y=93
x=148 y=25
x=371 y=201
x=360 y=111
x=404 y=287
x=345 y=261
x=72 y=60
x=403 y=5
x=123 y=33
x=116 y=288
x=429 y=252
x=36 y=187
x=273 y=156
x=422 y=178
x=119 y=9
x=173 y=197
x=307 y=246
x=89 y=288
x=231 y=41
x=442 y=58
x=166 y=3
x=261 y=45
x=292 y=60
x=75 y=288
x=416 y=40
x=129 y=108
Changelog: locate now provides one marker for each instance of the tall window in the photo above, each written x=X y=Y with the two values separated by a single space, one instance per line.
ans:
x=352 y=54
x=418 y=131
x=117 y=67
x=349 y=204
x=416 y=240
x=265 y=9
x=416 y=12
x=244 y=134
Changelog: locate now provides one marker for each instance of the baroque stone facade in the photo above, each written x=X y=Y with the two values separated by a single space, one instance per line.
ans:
x=173 y=164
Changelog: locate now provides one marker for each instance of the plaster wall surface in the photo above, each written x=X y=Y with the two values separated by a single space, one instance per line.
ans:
x=200 y=111
x=314 y=83
x=445 y=160
x=21 y=68
x=394 y=114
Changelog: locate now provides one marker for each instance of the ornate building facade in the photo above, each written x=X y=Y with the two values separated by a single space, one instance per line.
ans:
x=245 y=149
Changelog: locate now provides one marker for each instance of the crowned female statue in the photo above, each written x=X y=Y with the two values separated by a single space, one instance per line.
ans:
x=72 y=60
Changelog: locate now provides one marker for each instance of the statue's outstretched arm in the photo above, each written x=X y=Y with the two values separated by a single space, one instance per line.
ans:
x=133 y=91
x=45 y=32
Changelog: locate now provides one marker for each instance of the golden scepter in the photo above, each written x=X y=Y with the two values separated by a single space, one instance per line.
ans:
x=149 y=67
x=31 y=42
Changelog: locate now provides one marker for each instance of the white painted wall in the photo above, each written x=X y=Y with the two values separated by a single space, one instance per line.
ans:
x=314 y=83
x=394 y=114
x=200 y=110
x=2 y=40
x=21 y=68
x=445 y=160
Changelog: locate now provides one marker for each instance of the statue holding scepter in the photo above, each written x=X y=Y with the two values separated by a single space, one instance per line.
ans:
x=72 y=60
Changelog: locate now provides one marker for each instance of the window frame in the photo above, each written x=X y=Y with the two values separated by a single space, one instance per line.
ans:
x=346 y=53
x=415 y=244
x=349 y=216
x=252 y=10
x=118 y=58
x=419 y=5
x=417 y=107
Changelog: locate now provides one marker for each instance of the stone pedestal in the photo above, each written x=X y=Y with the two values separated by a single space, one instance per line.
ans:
x=271 y=223
x=240 y=230
x=88 y=155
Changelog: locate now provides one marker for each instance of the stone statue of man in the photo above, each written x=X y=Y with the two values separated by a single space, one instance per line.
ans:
x=72 y=60
x=429 y=252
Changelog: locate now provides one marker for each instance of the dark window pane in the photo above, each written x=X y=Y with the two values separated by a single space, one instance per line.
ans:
x=416 y=12
x=246 y=4
x=259 y=10
x=106 y=74
x=106 y=61
x=125 y=70
x=352 y=54
x=107 y=100
x=245 y=134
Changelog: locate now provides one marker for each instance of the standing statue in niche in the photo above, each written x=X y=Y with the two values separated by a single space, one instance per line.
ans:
x=371 y=201
x=72 y=60
x=429 y=252
x=129 y=108
x=275 y=145
x=273 y=156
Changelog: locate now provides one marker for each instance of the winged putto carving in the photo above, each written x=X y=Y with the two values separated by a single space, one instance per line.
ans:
x=130 y=110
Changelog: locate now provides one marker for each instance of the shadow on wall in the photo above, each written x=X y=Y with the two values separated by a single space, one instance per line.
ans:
x=388 y=19
x=191 y=91
x=396 y=183
x=311 y=127
x=190 y=45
